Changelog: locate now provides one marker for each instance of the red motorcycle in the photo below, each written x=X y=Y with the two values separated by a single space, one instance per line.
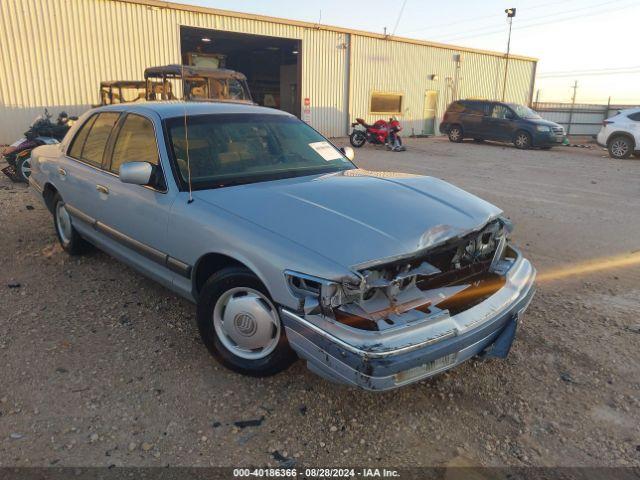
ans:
x=380 y=133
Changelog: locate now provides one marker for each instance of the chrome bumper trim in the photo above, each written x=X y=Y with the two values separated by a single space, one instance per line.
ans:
x=367 y=353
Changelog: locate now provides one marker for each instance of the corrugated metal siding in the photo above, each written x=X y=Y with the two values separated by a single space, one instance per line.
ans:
x=379 y=65
x=56 y=52
x=324 y=70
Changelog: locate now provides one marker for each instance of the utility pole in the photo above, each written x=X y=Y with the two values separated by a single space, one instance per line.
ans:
x=573 y=102
x=511 y=12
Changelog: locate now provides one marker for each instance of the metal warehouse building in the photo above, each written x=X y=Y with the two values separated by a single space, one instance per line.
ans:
x=55 y=53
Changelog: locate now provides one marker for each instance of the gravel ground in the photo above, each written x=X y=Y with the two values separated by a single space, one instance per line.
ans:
x=101 y=366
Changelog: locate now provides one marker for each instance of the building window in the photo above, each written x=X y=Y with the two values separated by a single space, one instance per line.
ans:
x=382 y=102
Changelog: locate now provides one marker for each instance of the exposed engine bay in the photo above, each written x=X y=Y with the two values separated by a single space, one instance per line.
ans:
x=440 y=281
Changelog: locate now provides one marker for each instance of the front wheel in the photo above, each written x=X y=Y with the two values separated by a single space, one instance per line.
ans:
x=620 y=148
x=522 y=140
x=240 y=325
x=357 y=138
x=23 y=167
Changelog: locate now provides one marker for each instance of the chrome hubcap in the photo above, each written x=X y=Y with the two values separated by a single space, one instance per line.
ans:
x=25 y=168
x=246 y=323
x=619 y=148
x=454 y=134
x=63 y=223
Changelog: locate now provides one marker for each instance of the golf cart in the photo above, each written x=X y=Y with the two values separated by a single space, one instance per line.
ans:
x=122 y=91
x=198 y=83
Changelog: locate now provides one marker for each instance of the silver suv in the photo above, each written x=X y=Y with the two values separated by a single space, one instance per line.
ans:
x=375 y=279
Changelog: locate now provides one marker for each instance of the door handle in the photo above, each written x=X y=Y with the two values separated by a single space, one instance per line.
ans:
x=102 y=189
x=62 y=171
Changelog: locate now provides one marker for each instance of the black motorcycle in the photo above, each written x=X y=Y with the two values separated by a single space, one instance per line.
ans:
x=41 y=132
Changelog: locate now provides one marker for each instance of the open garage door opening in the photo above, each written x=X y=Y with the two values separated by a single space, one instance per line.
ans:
x=271 y=64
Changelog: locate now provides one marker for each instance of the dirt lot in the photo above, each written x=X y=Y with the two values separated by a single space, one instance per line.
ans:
x=103 y=367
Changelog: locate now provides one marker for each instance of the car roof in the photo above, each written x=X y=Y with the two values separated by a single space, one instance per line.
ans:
x=171 y=108
x=627 y=111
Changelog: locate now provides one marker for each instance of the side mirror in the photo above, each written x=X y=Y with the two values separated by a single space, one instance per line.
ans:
x=511 y=116
x=348 y=152
x=137 y=173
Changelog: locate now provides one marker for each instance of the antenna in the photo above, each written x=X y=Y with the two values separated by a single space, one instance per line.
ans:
x=186 y=136
x=395 y=27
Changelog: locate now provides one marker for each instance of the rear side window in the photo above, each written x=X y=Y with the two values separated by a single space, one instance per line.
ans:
x=635 y=117
x=78 y=142
x=457 y=107
x=136 y=143
x=475 y=108
x=97 y=139
x=89 y=146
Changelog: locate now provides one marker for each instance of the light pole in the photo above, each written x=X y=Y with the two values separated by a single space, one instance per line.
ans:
x=511 y=12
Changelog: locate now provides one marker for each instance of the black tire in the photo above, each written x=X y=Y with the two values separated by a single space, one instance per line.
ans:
x=620 y=147
x=23 y=167
x=455 y=133
x=522 y=140
x=217 y=285
x=478 y=140
x=72 y=242
x=357 y=139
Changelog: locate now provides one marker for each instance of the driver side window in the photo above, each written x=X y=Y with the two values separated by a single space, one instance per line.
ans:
x=136 y=142
x=502 y=112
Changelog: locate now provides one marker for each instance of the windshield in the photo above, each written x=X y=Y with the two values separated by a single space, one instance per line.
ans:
x=216 y=88
x=523 y=112
x=233 y=149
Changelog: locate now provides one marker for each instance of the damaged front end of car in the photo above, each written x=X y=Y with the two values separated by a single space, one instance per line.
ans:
x=398 y=320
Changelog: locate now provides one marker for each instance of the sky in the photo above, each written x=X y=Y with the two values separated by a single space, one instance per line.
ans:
x=595 y=42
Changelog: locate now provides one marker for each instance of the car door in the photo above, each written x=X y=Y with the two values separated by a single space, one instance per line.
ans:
x=136 y=216
x=499 y=123
x=634 y=128
x=472 y=119
x=80 y=170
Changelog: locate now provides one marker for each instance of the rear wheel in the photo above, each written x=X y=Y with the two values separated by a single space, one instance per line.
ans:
x=455 y=133
x=240 y=325
x=357 y=138
x=522 y=140
x=620 y=147
x=69 y=238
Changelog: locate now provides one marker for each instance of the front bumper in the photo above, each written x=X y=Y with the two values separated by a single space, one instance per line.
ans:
x=387 y=360
x=547 y=139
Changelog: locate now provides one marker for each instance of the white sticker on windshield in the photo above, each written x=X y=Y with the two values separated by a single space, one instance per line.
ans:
x=325 y=150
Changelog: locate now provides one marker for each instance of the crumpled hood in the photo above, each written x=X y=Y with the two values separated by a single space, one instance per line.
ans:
x=356 y=217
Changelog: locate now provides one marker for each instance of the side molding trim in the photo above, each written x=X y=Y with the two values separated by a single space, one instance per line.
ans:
x=181 y=268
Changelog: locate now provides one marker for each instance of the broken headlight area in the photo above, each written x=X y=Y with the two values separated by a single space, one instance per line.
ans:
x=439 y=282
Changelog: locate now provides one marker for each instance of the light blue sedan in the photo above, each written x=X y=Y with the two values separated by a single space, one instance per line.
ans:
x=287 y=248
